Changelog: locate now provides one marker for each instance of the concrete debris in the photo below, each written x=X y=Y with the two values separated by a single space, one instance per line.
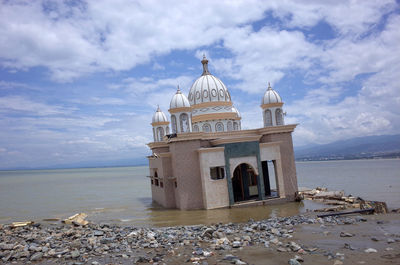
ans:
x=76 y=219
x=19 y=224
x=340 y=202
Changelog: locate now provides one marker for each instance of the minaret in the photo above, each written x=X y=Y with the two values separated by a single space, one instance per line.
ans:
x=160 y=125
x=180 y=110
x=272 y=108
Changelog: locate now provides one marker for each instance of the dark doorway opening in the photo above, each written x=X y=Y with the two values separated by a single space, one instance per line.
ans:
x=244 y=182
x=269 y=174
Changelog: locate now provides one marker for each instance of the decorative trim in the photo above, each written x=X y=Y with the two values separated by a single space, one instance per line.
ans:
x=277 y=129
x=183 y=109
x=192 y=136
x=157 y=144
x=214 y=116
x=270 y=144
x=160 y=123
x=213 y=149
x=212 y=104
x=239 y=139
x=271 y=105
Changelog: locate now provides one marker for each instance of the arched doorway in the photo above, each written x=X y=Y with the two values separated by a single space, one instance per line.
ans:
x=244 y=183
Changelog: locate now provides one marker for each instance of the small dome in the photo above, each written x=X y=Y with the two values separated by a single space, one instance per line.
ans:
x=234 y=109
x=208 y=88
x=179 y=100
x=271 y=96
x=159 y=116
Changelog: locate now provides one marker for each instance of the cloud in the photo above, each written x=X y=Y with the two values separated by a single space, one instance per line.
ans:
x=72 y=41
x=27 y=106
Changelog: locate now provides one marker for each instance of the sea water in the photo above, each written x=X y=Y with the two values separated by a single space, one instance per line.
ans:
x=123 y=195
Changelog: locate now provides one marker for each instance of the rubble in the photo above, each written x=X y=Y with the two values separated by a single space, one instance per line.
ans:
x=340 y=202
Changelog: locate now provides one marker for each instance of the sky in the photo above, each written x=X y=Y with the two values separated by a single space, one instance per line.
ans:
x=81 y=80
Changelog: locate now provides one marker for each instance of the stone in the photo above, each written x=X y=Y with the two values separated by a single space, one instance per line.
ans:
x=299 y=258
x=338 y=262
x=230 y=257
x=281 y=249
x=4 y=246
x=239 y=262
x=75 y=254
x=98 y=233
x=294 y=246
x=374 y=239
x=370 y=250
x=236 y=244
x=294 y=262
x=390 y=240
x=36 y=256
x=345 y=234
x=95 y=263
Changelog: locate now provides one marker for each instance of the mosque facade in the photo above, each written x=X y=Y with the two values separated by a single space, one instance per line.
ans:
x=202 y=159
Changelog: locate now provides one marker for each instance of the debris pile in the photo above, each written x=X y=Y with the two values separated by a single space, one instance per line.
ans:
x=339 y=202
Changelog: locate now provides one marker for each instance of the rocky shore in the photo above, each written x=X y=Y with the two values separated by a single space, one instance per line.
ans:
x=285 y=240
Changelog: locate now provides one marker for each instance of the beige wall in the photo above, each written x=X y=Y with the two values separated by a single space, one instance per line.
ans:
x=287 y=161
x=186 y=169
x=215 y=192
x=271 y=151
x=165 y=195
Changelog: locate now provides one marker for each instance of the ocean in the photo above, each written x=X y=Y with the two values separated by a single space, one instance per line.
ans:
x=123 y=195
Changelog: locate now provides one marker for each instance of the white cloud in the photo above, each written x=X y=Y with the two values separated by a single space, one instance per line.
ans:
x=21 y=104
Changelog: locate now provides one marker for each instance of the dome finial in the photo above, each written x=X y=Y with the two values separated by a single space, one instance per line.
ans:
x=205 y=65
x=269 y=86
x=179 y=90
x=158 y=108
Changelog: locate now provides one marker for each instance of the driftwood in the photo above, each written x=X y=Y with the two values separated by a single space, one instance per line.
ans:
x=370 y=210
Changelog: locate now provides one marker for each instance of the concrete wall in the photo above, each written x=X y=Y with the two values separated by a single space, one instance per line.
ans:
x=287 y=161
x=215 y=192
x=271 y=151
x=165 y=195
x=186 y=169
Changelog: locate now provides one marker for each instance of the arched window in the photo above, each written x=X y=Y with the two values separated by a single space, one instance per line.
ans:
x=229 y=126
x=154 y=135
x=184 y=122
x=206 y=127
x=219 y=127
x=279 y=117
x=235 y=126
x=160 y=133
x=173 y=123
x=267 y=118
x=167 y=130
x=195 y=128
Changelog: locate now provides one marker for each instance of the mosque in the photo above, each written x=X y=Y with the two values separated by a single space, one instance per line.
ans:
x=203 y=159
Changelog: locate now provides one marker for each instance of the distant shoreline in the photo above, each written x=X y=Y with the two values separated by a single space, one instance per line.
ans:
x=142 y=165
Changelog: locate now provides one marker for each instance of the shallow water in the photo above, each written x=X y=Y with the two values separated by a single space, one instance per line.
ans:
x=122 y=194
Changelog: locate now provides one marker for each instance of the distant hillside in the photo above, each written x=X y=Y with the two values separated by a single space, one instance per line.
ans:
x=382 y=146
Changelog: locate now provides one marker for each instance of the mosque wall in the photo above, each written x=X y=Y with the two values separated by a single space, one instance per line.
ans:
x=287 y=161
x=215 y=191
x=186 y=169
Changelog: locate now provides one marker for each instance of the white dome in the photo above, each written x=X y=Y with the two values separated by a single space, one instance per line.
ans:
x=159 y=116
x=271 y=96
x=208 y=88
x=179 y=100
x=234 y=109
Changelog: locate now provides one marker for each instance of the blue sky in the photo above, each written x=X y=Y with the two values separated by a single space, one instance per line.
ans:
x=80 y=81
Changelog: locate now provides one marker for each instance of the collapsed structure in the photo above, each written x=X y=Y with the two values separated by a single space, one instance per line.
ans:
x=202 y=159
